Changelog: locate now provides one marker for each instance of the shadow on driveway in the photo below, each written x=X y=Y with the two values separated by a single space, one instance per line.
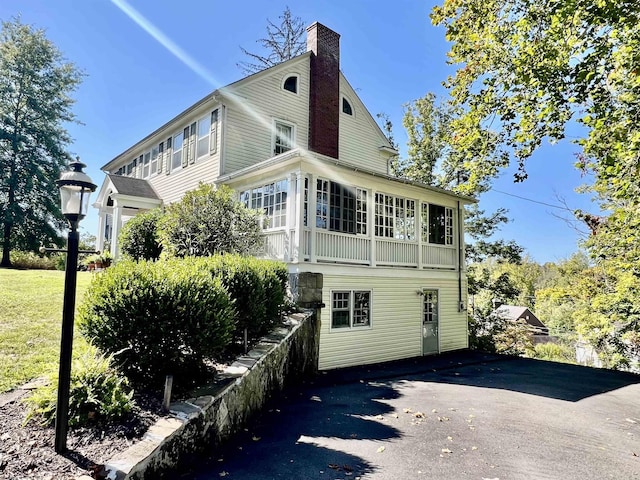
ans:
x=339 y=424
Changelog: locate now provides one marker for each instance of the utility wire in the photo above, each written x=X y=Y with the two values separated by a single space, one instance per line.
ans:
x=530 y=200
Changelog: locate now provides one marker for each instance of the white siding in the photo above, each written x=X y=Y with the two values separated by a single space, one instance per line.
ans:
x=252 y=108
x=172 y=187
x=396 y=319
x=360 y=136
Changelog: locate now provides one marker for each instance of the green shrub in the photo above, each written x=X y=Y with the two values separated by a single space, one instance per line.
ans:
x=35 y=261
x=258 y=288
x=208 y=221
x=97 y=392
x=139 y=237
x=554 y=352
x=158 y=318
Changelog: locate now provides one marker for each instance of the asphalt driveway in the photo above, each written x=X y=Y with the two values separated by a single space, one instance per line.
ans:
x=458 y=416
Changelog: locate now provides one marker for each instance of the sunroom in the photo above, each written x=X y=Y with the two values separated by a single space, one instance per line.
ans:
x=325 y=212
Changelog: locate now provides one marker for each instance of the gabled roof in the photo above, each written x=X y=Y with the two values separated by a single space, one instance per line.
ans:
x=134 y=187
x=515 y=312
x=226 y=90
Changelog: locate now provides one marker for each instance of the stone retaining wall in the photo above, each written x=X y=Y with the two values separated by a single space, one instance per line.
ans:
x=223 y=408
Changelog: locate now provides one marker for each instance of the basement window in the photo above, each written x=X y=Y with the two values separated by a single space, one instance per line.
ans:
x=350 y=309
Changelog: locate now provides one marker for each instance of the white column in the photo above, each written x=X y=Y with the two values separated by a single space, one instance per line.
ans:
x=101 y=226
x=419 y=232
x=311 y=218
x=371 y=225
x=117 y=225
x=291 y=251
x=298 y=236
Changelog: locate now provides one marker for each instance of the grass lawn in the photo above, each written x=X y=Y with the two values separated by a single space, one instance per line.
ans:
x=30 y=323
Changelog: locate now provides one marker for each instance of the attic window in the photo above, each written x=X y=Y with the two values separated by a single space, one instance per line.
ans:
x=291 y=84
x=346 y=107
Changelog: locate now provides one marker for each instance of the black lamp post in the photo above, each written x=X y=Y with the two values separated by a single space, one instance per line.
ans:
x=75 y=191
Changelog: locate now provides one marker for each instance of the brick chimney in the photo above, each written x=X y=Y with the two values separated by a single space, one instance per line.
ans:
x=324 y=98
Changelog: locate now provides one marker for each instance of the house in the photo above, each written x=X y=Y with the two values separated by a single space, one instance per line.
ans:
x=519 y=313
x=296 y=142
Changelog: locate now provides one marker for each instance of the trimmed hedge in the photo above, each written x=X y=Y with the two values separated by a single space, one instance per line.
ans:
x=139 y=238
x=158 y=318
x=172 y=316
x=258 y=287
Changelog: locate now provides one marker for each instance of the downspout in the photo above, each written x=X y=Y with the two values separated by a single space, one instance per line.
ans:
x=460 y=258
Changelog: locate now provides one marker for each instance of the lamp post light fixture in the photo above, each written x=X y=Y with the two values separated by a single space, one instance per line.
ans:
x=75 y=191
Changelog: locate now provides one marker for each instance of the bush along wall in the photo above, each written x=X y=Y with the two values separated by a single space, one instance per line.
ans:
x=174 y=316
x=158 y=318
x=258 y=288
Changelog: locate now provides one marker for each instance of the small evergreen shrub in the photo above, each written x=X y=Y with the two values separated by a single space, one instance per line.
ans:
x=139 y=237
x=97 y=392
x=158 y=318
x=258 y=288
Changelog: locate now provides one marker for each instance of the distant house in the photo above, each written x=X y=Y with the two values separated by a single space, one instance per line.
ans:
x=296 y=142
x=515 y=313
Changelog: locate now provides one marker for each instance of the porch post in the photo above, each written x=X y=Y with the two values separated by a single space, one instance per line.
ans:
x=299 y=218
x=371 y=210
x=291 y=247
x=311 y=218
x=101 y=227
x=117 y=224
x=419 y=233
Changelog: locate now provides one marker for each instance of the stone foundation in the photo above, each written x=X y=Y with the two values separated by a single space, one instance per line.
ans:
x=221 y=409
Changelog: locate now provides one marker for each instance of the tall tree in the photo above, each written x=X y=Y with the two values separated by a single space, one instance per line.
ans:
x=282 y=43
x=525 y=70
x=35 y=102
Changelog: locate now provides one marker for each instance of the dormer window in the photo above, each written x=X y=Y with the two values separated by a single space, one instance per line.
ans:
x=346 y=107
x=291 y=84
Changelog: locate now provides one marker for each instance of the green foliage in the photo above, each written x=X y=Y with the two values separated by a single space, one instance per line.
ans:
x=525 y=70
x=210 y=220
x=35 y=261
x=139 y=238
x=554 y=352
x=257 y=287
x=97 y=393
x=158 y=318
x=499 y=335
x=36 y=83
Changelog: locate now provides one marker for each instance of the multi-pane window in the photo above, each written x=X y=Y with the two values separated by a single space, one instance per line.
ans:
x=350 y=309
x=204 y=130
x=271 y=199
x=395 y=217
x=437 y=224
x=131 y=168
x=155 y=153
x=176 y=160
x=341 y=208
x=283 y=138
x=146 y=165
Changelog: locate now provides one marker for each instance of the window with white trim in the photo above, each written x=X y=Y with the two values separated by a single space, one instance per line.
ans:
x=176 y=159
x=350 y=309
x=437 y=224
x=283 y=141
x=271 y=199
x=395 y=217
x=291 y=84
x=341 y=208
x=155 y=153
x=146 y=165
x=204 y=130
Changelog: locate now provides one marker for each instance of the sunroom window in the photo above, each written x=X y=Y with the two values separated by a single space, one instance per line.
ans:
x=437 y=224
x=271 y=199
x=341 y=208
x=395 y=217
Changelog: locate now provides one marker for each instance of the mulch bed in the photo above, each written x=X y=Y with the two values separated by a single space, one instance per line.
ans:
x=27 y=451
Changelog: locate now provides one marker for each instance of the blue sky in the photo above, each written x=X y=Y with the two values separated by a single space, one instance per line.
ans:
x=390 y=53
